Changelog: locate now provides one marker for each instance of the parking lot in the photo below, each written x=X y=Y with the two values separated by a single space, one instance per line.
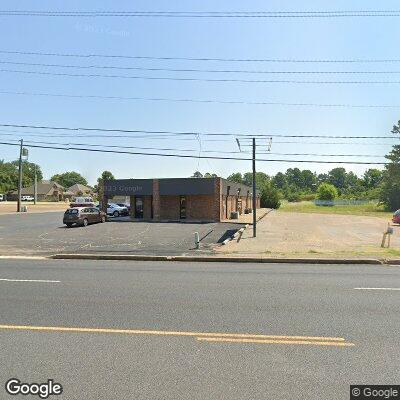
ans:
x=44 y=234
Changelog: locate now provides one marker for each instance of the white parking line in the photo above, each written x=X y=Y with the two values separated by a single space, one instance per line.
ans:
x=28 y=280
x=375 y=288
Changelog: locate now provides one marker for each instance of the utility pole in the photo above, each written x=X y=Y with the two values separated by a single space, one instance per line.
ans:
x=254 y=190
x=35 y=188
x=20 y=176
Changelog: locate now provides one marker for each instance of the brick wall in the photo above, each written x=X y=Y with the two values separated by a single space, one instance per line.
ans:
x=202 y=207
x=147 y=205
x=169 y=207
x=156 y=200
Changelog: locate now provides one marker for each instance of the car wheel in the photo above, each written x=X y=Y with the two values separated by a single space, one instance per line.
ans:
x=69 y=225
x=103 y=219
x=116 y=213
x=85 y=222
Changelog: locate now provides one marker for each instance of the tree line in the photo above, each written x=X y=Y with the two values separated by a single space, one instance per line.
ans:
x=9 y=176
x=295 y=184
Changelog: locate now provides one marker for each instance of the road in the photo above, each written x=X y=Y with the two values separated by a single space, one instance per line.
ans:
x=146 y=330
x=44 y=233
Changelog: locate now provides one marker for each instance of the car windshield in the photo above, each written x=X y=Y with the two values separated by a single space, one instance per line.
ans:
x=397 y=212
x=72 y=211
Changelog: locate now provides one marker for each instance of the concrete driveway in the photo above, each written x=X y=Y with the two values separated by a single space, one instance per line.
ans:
x=314 y=235
x=44 y=233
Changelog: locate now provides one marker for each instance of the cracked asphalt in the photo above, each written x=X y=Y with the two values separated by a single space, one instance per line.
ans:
x=44 y=234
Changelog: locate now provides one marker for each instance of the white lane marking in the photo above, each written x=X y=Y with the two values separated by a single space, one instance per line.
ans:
x=23 y=258
x=29 y=280
x=375 y=288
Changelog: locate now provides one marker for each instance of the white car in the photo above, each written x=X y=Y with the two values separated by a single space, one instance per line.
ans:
x=115 y=210
x=27 y=198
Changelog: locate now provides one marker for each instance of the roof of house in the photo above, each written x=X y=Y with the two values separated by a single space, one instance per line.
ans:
x=43 y=188
x=79 y=188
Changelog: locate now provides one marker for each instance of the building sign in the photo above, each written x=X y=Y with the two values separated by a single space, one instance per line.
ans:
x=128 y=187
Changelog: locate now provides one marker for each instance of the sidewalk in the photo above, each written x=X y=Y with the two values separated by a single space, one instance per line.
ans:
x=315 y=236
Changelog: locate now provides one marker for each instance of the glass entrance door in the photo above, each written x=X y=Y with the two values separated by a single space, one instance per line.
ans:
x=138 y=207
x=182 y=207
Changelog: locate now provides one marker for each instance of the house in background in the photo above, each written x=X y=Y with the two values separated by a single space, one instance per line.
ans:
x=46 y=191
x=79 y=190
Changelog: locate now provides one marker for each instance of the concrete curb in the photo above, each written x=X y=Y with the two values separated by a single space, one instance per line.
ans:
x=131 y=257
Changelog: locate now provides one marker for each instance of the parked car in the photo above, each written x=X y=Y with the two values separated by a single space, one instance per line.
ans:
x=115 y=210
x=82 y=202
x=396 y=217
x=127 y=206
x=27 y=198
x=2 y=197
x=83 y=216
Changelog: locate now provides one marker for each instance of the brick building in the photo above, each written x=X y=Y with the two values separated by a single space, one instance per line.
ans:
x=196 y=199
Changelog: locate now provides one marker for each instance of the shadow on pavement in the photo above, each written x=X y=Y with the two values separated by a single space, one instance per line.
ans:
x=229 y=233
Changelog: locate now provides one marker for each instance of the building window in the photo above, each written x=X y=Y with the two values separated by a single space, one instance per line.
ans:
x=182 y=207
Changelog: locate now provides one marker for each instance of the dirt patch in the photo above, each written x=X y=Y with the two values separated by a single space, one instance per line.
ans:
x=314 y=235
x=10 y=207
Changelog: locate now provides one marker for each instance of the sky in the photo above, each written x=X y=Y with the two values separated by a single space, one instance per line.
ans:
x=252 y=38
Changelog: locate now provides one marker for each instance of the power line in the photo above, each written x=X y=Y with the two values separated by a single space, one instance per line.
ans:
x=168 y=78
x=235 y=71
x=194 y=156
x=205 y=14
x=203 y=150
x=201 y=101
x=165 y=58
x=193 y=133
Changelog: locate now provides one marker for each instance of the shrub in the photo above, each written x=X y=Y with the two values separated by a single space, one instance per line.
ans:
x=293 y=197
x=307 y=197
x=326 y=191
x=270 y=196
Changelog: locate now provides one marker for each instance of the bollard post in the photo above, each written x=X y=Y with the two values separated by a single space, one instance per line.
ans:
x=197 y=240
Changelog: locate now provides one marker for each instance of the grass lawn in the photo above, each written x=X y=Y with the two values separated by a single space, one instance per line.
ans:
x=370 y=209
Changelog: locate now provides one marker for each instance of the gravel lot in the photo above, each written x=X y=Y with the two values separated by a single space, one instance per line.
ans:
x=300 y=234
x=44 y=233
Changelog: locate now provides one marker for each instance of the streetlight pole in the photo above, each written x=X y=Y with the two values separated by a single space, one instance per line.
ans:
x=254 y=190
x=20 y=176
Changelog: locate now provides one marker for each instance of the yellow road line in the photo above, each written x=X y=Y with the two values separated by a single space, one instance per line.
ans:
x=315 y=343
x=167 y=333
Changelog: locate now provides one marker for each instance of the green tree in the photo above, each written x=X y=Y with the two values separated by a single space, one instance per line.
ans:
x=326 y=191
x=294 y=177
x=308 y=180
x=321 y=178
x=209 y=175
x=270 y=196
x=105 y=176
x=337 y=177
x=261 y=179
x=372 y=178
x=390 y=193
x=236 y=177
x=197 y=174
x=279 y=180
x=68 y=179
x=9 y=174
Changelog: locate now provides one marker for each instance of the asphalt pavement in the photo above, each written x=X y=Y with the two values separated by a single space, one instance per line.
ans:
x=45 y=234
x=151 y=330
